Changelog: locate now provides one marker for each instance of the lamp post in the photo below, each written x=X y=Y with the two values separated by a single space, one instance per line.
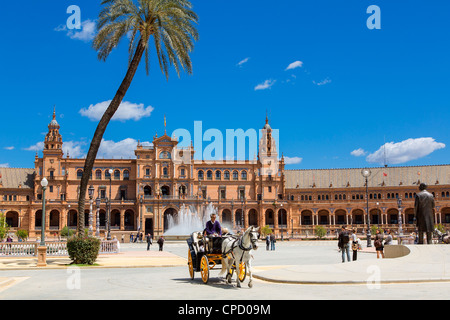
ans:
x=141 y=201
x=91 y=201
x=97 y=222
x=400 y=222
x=108 y=223
x=42 y=249
x=366 y=174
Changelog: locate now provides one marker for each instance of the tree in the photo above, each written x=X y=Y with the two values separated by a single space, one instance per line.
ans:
x=4 y=227
x=320 y=232
x=171 y=23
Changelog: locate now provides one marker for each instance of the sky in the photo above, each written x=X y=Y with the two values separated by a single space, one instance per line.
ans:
x=340 y=94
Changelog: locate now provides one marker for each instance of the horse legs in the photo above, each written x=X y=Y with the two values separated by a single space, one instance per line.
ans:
x=249 y=269
x=238 y=282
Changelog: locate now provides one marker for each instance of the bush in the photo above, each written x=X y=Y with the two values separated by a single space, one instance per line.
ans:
x=265 y=231
x=83 y=250
x=320 y=231
x=66 y=232
x=22 y=234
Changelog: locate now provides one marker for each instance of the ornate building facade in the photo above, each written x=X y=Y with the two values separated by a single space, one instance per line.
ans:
x=144 y=191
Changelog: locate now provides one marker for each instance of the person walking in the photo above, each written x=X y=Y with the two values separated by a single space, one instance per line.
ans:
x=267 y=242
x=423 y=212
x=355 y=245
x=389 y=239
x=161 y=243
x=149 y=241
x=379 y=247
x=272 y=242
x=344 y=244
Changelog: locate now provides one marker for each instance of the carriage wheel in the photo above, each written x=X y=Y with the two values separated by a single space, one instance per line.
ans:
x=190 y=265
x=204 y=269
x=242 y=271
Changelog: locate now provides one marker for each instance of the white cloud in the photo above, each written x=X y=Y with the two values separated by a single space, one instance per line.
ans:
x=294 y=65
x=4 y=165
x=292 y=160
x=323 y=82
x=240 y=63
x=36 y=147
x=404 y=151
x=9 y=148
x=87 y=32
x=74 y=149
x=126 y=111
x=358 y=152
x=117 y=150
x=266 y=85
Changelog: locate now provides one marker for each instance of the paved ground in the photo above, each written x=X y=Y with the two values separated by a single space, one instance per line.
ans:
x=296 y=270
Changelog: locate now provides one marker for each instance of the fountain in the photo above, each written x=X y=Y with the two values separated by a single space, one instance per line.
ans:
x=188 y=220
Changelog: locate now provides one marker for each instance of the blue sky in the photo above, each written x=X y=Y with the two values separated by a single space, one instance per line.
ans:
x=352 y=89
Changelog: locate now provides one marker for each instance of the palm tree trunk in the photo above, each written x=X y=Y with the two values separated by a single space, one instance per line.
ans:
x=101 y=128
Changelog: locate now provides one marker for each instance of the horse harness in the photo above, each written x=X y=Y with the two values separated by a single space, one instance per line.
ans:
x=240 y=245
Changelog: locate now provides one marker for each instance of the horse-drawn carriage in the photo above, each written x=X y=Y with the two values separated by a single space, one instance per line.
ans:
x=205 y=254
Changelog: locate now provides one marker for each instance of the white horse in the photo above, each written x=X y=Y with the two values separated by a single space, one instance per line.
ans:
x=237 y=250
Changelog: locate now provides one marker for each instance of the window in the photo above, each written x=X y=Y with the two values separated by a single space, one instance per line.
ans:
x=147 y=171
x=200 y=175
x=182 y=172
x=126 y=175
x=52 y=174
x=226 y=175
x=116 y=174
x=244 y=175
x=98 y=174
x=107 y=175
x=165 y=172
x=223 y=194
x=79 y=174
x=235 y=175
x=209 y=175
x=218 y=175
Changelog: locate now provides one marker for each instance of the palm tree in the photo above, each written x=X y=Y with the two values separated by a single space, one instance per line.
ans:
x=171 y=23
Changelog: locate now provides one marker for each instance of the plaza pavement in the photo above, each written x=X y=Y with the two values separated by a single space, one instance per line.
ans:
x=426 y=263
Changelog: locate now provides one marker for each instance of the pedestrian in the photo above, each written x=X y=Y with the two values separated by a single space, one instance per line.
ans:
x=379 y=247
x=423 y=212
x=267 y=242
x=344 y=244
x=149 y=241
x=136 y=237
x=272 y=242
x=161 y=243
x=123 y=238
x=355 y=245
x=389 y=240
x=131 y=238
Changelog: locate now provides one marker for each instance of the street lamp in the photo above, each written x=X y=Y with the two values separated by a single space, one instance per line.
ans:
x=399 y=204
x=366 y=174
x=91 y=191
x=108 y=222
x=42 y=249
x=44 y=184
x=97 y=224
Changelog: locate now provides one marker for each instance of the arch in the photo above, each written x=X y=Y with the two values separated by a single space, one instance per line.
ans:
x=117 y=174
x=54 y=219
x=107 y=175
x=98 y=174
x=79 y=174
x=307 y=217
x=323 y=217
x=129 y=219
x=226 y=175
x=282 y=217
x=409 y=216
x=239 y=218
x=170 y=217
x=375 y=216
x=226 y=216
x=102 y=218
x=115 y=219
x=392 y=216
x=358 y=216
x=38 y=219
x=209 y=174
x=445 y=215
x=147 y=191
x=126 y=175
x=200 y=175
x=235 y=175
x=270 y=217
x=12 y=219
x=165 y=191
x=72 y=218
x=244 y=175
x=340 y=216
x=218 y=175
x=253 y=217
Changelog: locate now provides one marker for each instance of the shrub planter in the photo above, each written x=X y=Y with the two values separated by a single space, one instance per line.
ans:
x=83 y=250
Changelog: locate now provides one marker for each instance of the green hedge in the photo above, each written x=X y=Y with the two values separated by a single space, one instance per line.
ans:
x=83 y=250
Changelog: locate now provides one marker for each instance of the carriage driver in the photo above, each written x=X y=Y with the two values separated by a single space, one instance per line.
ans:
x=213 y=228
